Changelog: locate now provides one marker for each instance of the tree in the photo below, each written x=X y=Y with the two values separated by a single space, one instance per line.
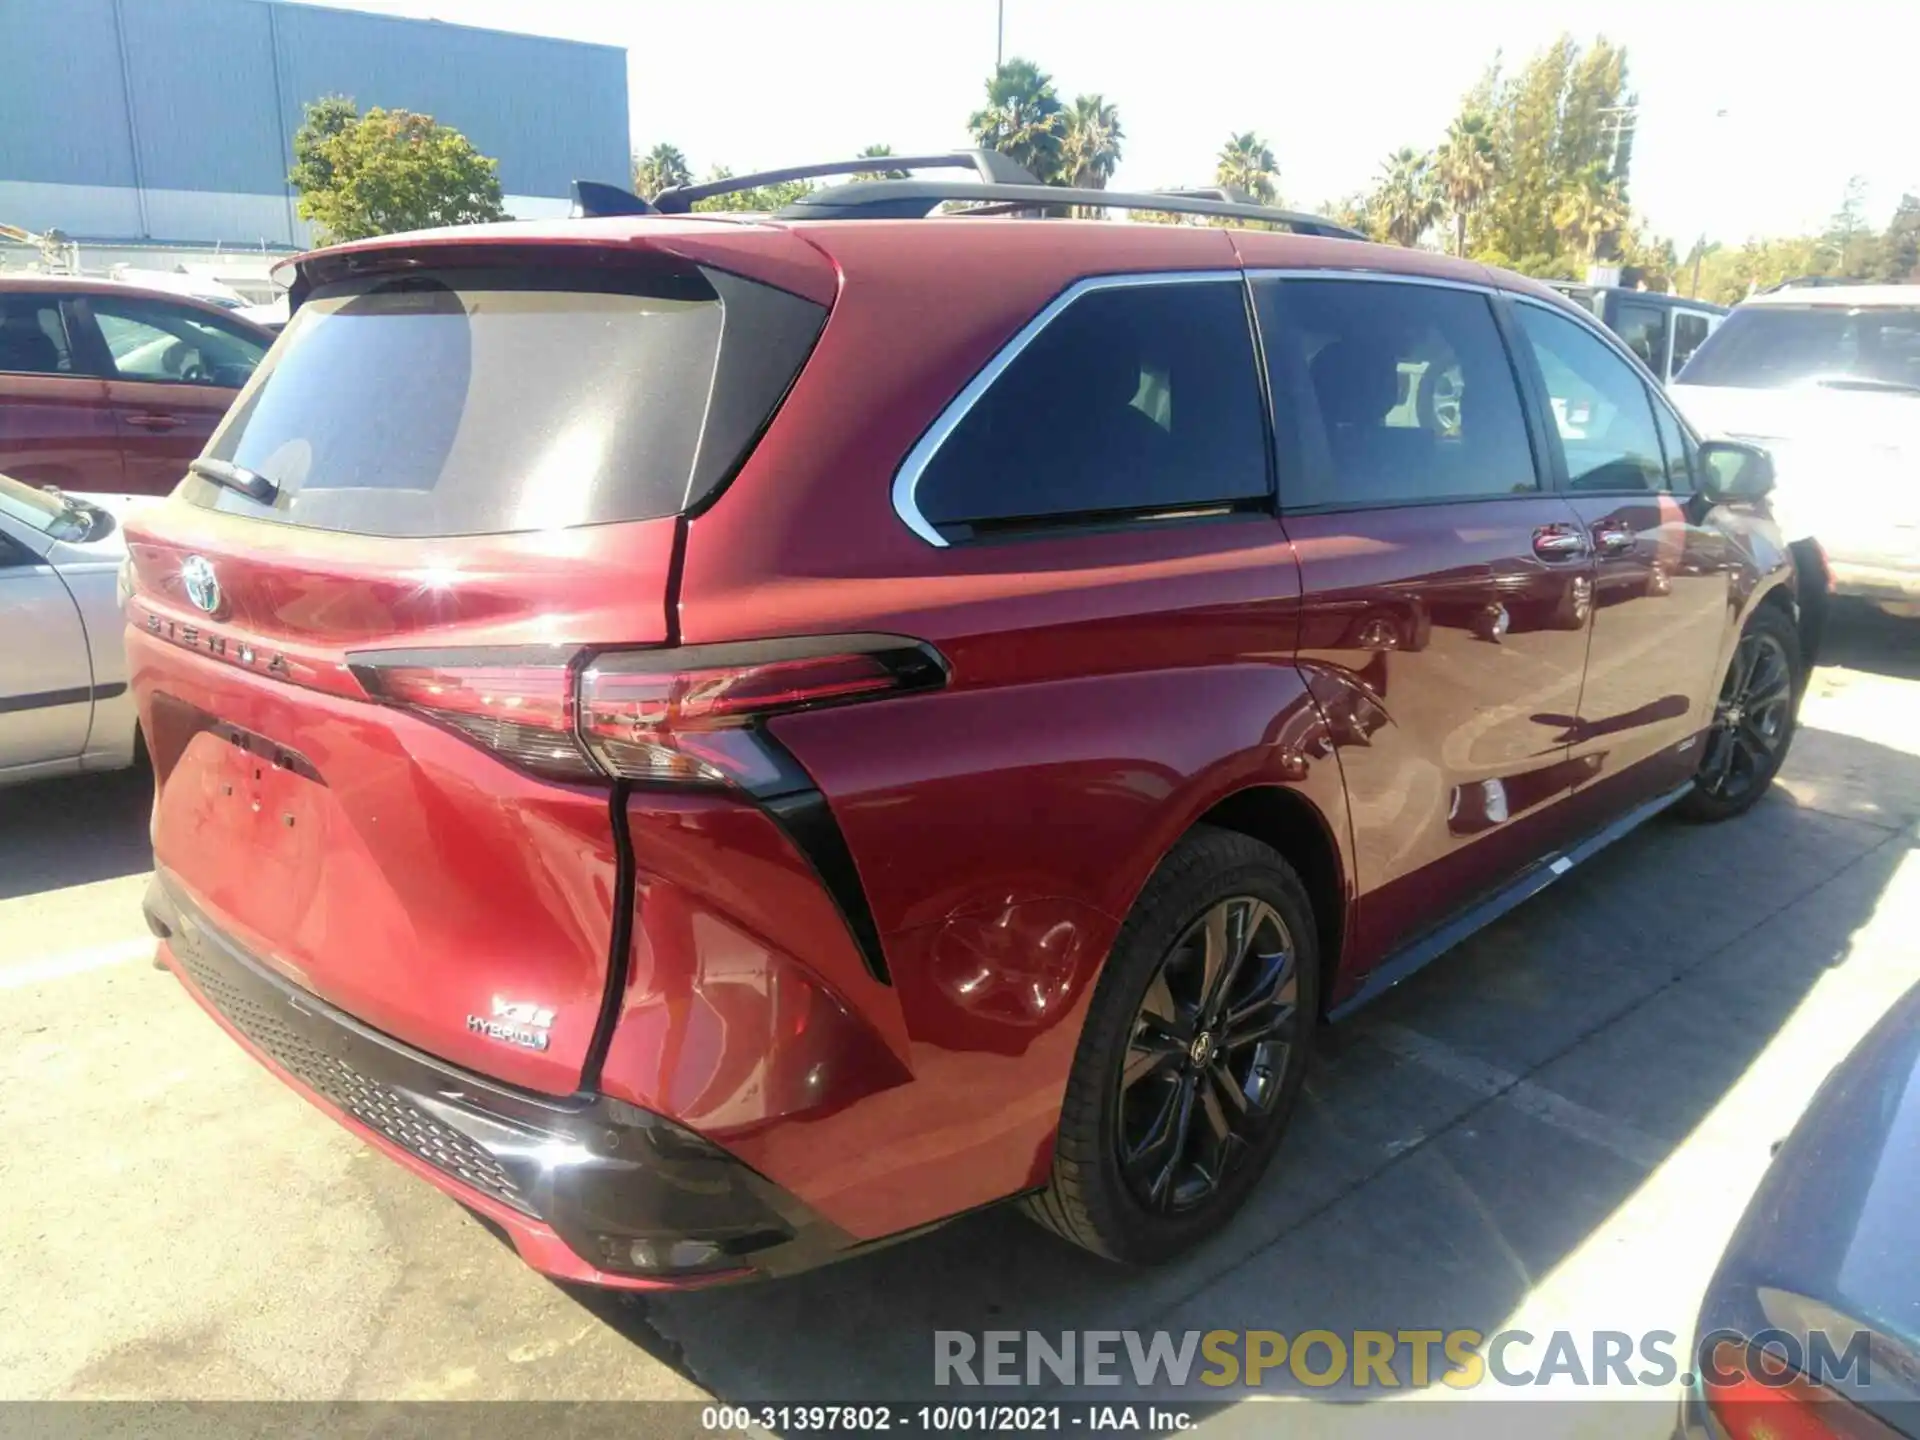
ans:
x=1652 y=257
x=1405 y=203
x=661 y=168
x=325 y=119
x=1854 y=248
x=1590 y=210
x=1563 y=113
x=1023 y=119
x=1247 y=165
x=1900 y=246
x=1350 y=211
x=1464 y=169
x=388 y=170
x=1090 y=148
x=761 y=199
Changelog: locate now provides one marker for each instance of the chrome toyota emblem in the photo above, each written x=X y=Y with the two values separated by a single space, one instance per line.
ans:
x=203 y=586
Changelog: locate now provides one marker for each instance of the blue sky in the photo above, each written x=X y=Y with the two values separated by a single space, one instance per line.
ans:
x=1811 y=93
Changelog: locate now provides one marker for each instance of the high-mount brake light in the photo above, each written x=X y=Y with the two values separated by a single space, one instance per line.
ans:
x=679 y=716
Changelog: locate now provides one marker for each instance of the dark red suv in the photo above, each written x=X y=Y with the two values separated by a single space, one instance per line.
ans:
x=112 y=388
x=720 y=741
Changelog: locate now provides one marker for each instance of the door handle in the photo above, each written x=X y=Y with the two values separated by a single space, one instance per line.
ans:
x=154 y=420
x=1611 y=538
x=1559 y=542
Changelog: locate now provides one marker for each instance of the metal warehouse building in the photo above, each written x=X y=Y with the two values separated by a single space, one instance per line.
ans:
x=172 y=121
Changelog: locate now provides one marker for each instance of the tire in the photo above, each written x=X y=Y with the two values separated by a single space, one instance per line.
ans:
x=1743 y=754
x=1137 y=1215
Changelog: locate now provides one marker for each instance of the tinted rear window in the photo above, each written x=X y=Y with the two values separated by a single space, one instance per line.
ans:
x=479 y=402
x=1767 y=346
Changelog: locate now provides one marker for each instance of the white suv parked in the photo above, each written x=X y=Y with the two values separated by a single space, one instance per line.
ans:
x=1828 y=379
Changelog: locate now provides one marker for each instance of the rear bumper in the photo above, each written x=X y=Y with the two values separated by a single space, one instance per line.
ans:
x=587 y=1188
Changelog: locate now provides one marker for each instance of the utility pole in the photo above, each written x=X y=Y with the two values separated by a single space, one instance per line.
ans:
x=999 y=32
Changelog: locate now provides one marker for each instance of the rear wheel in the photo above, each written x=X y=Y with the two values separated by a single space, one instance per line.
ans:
x=1753 y=720
x=1195 y=1048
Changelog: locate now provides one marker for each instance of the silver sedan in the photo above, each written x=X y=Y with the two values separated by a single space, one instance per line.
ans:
x=64 y=704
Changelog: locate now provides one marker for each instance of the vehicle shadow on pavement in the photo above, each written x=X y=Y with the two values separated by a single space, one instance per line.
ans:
x=1860 y=637
x=1458 y=1141
x=74 y=830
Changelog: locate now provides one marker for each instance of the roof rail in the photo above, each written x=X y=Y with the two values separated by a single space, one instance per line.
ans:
x=992 y=167
x=1809 y=282
x=915 y=199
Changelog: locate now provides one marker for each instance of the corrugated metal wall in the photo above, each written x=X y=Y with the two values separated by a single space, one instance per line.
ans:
x=173 y=119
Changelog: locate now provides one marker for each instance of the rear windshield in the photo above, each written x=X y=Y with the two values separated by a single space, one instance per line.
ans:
x=1767 y=346
x=469 y=402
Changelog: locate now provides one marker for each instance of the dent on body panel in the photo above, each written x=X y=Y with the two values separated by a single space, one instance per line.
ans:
x=746 y=999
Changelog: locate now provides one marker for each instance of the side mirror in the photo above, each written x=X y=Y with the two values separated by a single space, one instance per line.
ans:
x=1731 y=472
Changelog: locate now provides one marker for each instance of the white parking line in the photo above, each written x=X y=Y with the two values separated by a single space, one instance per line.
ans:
x=75 y=962
x=1548 y=1106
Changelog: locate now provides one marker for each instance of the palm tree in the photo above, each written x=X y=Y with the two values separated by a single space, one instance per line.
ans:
x=1247 y=165
x=1023 y=119
x=659 y=169
x=1591 y=210
x=1464 y=169
x=1090 y=149
x=1406 y=203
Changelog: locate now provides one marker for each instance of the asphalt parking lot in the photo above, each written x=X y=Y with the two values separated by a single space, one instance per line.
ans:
x=1555 y=1126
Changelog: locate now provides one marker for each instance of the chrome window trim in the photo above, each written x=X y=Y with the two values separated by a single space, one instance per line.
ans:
x=907 y=478
x=1389 y=277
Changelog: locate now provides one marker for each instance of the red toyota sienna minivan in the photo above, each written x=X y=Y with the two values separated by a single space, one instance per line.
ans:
x=720 y=741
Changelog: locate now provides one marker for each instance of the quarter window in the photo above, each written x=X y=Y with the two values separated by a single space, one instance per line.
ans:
x=1133 y=399
x=1390 y=394
x=33 y=337
x=1601 y=412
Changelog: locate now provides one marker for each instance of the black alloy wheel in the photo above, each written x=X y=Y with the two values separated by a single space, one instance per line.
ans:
x=1752 y=720
x=1209 y=1048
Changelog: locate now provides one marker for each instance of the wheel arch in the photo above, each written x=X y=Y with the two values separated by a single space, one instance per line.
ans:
x=1293 y=825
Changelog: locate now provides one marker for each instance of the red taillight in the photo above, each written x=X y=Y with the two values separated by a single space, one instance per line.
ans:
x=684 y=716
x=689 y=724
x=1756 y=1396
x=522 y=709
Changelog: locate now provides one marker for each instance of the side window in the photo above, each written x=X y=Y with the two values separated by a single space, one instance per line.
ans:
x=14 y=555
x=1673 y=443
x=1690 y=327
x=151 y=340
x=1644 y=328
x=1600 y=406
x=1134 y=398
x=33 y=336
x=1390 y=394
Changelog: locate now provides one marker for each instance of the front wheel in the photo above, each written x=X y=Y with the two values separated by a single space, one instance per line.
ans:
x=1753 y=720
x=1195 y=1048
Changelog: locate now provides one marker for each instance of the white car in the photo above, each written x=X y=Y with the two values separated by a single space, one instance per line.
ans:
x=64 y=703
x=1828 y=379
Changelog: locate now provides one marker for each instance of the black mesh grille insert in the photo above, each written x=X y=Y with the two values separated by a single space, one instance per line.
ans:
x=374 y=1105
